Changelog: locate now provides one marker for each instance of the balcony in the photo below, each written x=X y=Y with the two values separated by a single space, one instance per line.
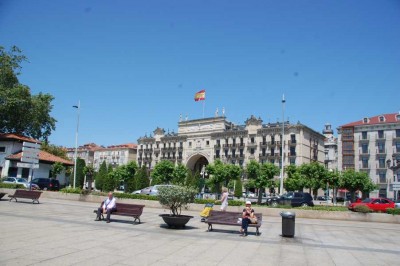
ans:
x=292 y=142
x=364 y=166
x=380 y=151
x=291 y=154
x=264 y=144
x=251 y=145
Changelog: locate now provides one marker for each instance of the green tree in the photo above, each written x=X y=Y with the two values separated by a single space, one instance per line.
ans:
x=101 y=176
x=238 y=188
x=55 y=150
x=194 y=180
x=220 y=174
x=129 y=179
x=315 y=174
x=56 y=169
x=353 y=181
x=163 y=173
x=141 y=178
x=21 y=112
x=80 y=176
x=179 y=174
x=10 y=64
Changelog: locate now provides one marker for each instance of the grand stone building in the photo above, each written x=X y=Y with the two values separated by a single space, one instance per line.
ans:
x=200 y=142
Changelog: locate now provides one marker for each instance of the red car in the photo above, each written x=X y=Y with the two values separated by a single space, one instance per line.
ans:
x=375 y=204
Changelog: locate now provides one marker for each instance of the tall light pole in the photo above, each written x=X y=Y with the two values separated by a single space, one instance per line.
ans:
x=78 y=107
x=282 y=145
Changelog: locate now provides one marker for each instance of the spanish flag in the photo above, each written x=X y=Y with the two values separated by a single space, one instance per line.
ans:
x=200 y=96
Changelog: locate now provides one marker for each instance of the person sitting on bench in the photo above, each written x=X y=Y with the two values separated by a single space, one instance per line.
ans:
x=247 y=218
x=107 y=206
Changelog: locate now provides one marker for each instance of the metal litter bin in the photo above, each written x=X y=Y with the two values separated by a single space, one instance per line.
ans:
x=288 y=223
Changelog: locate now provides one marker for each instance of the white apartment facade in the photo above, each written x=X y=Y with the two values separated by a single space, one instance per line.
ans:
x=372 y=145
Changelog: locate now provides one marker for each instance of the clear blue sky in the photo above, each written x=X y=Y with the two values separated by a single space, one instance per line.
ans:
x=136 y=65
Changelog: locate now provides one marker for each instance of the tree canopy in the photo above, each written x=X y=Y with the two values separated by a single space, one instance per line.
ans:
x=20 y=111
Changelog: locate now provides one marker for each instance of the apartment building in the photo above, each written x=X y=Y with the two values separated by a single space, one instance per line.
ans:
x=200 y=142
x=331 y=148
x=114 y=155
x=372 y=144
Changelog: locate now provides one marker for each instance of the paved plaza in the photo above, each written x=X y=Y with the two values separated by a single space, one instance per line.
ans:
x=62 y=232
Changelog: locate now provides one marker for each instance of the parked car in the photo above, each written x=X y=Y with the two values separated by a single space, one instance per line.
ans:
x=294 y=199
x=324 y=198
x=153 y=190
x=375 y=204
x=397 y=203
x=136 y=191
x=47 y=183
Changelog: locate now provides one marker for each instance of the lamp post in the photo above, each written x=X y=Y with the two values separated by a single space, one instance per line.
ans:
x=283 y=142
x=203 y=174
x=394 y=167
x=78 y=107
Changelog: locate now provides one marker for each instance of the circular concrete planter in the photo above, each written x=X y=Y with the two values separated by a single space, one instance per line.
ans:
x=176 y=221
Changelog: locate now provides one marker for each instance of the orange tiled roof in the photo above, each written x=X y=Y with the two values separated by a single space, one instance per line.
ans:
x=43 y=156
x=14 y=136
x=389 y=118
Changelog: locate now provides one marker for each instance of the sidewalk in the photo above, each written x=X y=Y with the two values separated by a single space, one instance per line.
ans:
x=61 y=232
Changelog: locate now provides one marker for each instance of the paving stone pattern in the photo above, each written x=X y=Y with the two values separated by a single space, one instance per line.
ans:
x=62 y=232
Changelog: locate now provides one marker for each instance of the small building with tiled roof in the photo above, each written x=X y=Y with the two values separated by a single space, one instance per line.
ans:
x=372 y=145
x=10 y=159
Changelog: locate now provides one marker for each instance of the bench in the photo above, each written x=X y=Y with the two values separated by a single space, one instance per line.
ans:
x=231 y=218
x=2 y=195
x=26 y=194
x=127 y=209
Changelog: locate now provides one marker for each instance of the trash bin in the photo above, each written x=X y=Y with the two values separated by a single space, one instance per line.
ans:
x=288 y=223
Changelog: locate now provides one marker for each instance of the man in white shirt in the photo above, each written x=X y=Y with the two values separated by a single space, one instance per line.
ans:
x=108 y=206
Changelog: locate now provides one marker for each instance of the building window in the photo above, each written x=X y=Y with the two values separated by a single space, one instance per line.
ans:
x=364 y=135
x=397 y=133
x=292 y=151
x=364 y=148
x=382 y=163
x=397 y=146
x=226 y=153
x=251 y=151
x=252 y=139
x=263 y=152
x=380 y=134
x=293 y=138
x=217 y=154
x=233 y=152
x=365 y=163
x=272 y=139
x=292 y=161
x=264 y=139
x=207 y=143
x=241 y=141
x=234 y=141
x=382 y=177
x=381 y=147
x=365 y=120
x=190 y=144
x=381 y=119
x=2 y=149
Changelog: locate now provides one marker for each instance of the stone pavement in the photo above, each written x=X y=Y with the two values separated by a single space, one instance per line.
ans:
x=62 y=232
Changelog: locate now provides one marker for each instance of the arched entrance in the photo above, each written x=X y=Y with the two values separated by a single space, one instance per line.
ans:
x=196 y=163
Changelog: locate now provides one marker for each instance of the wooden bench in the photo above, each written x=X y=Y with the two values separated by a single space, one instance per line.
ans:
x=127 y=209
x=2 y=195
x=26 y=194
x=231 y=218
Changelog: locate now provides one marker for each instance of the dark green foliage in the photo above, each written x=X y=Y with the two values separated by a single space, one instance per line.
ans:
x=238 y=188
x=193 y=180
x=101 y=176
x=21 y=112
x=163 y=173
x=393 y=211
x=141 y=178
x=56 y=169
x=80 y=176
x=362 y=209
x=55 y=150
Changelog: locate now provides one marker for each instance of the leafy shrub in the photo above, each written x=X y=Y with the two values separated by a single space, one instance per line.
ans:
x=362 y=209
x=12 y=186
x=393 y=211
x=176 y=197
x=230 y=202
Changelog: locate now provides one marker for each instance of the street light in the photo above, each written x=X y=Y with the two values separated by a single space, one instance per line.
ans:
x=203 y=174
x=283 y=142
x=78 y=107
x=394 y=167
